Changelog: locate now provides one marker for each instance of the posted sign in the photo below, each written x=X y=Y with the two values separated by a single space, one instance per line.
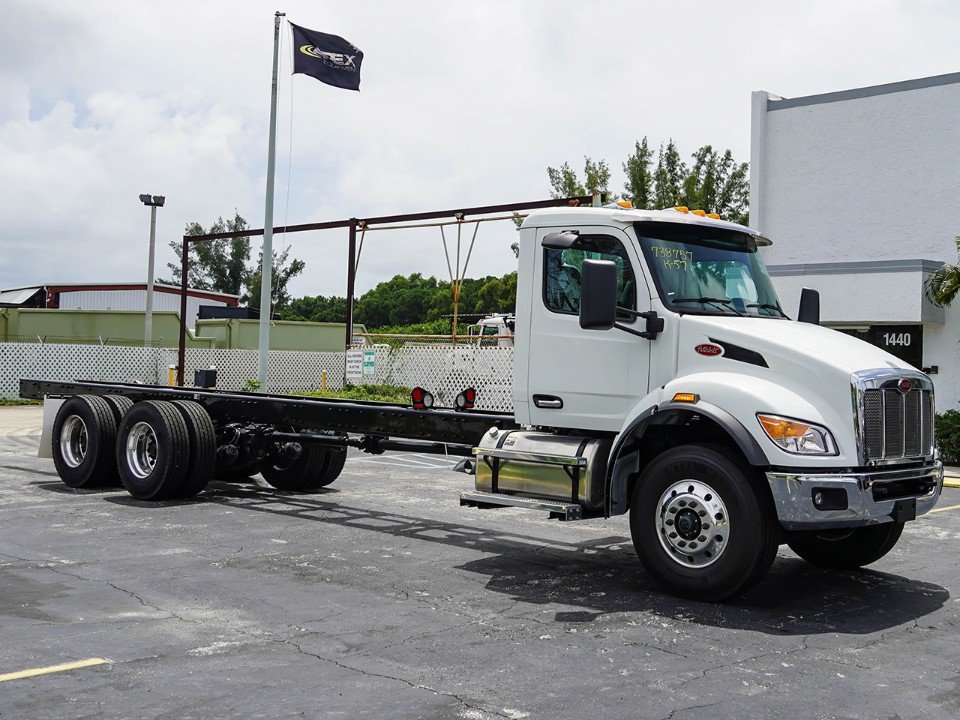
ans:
x=369 y=362
x=354 y=373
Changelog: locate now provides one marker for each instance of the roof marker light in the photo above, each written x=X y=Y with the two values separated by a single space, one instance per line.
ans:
x=714 y=216
x=701 y=213
x=625 y=204
x=682 y=208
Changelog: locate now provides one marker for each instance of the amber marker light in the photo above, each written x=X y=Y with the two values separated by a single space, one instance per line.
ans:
x=713 y=216
x=797 y=437
x=686 y=397
x=782 y=429
x=682 y=208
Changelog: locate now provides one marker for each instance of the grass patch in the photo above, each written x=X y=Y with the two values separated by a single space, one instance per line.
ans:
x=379 y=393
x=13 y=402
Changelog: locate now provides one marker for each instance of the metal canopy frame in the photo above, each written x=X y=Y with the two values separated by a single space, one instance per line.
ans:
x=351 y=224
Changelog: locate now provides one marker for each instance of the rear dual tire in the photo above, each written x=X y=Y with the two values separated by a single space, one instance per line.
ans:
x=84 y=435
x=165 y=450
x=315 y=468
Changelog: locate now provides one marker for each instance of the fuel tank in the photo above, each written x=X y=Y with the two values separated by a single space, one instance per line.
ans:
x=543 y=465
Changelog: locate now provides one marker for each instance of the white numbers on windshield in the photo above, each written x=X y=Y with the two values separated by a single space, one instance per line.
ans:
x=673 y=258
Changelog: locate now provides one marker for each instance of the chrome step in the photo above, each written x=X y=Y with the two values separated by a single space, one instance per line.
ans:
x=557 y=509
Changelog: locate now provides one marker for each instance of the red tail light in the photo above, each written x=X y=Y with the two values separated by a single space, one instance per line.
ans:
x=466 y=399
x=421 y=399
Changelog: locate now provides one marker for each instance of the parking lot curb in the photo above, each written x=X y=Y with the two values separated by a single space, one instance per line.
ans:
x=951 y=482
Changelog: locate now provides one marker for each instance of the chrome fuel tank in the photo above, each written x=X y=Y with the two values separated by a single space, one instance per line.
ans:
x=542 y=465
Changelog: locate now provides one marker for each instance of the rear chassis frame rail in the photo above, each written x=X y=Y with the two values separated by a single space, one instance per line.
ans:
x=438 y=427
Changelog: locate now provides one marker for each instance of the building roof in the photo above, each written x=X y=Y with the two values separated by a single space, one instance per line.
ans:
x=17 y=296
x=864 y=92
x=81 y=287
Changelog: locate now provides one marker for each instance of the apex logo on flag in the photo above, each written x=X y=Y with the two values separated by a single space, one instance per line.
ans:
x=328 y=58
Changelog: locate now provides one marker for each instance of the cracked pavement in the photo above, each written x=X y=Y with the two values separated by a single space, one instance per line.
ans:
x=382 y=598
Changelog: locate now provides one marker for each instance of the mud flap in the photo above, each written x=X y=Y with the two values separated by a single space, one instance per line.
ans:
x=50 y=408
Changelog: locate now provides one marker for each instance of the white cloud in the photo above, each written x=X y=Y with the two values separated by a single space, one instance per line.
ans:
x=462 y=103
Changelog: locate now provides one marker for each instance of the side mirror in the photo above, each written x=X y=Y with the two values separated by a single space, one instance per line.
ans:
x=809 y=306
x=598 y=295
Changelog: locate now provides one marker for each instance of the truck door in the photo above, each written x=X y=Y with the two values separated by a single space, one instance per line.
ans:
x=585 y=378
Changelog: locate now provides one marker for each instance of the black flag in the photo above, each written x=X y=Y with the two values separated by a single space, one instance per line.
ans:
x=328 y=58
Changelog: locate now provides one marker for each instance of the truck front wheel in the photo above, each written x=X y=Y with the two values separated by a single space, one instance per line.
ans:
x=846 y=549
x=701 y=524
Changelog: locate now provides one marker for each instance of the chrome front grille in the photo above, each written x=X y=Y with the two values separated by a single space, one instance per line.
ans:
x=897 y=424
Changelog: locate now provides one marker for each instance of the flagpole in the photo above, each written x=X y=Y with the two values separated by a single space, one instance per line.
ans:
x=266 y=266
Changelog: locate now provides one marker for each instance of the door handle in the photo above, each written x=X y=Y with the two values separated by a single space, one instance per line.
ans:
x=551 y=402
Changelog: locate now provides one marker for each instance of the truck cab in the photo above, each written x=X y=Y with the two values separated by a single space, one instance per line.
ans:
x=495 y=330
x=656 y=373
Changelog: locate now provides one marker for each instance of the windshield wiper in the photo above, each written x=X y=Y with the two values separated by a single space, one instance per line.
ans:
x=768 y=306
x=724 y=303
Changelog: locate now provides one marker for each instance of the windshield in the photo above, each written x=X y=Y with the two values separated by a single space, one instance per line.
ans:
x=708 y=271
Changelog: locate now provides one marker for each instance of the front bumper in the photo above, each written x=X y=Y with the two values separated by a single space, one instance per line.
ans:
x=872 y=497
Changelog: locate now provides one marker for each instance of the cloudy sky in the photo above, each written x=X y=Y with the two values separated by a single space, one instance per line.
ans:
x=462 y=103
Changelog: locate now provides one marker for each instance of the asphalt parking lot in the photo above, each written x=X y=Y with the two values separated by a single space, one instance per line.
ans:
x=382 y=598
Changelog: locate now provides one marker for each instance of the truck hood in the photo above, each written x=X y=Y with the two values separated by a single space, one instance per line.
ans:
x=783 y=344
x=752 y=365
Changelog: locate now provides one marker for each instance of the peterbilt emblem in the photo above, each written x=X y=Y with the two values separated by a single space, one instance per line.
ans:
x=904 y=385
x=709 y=349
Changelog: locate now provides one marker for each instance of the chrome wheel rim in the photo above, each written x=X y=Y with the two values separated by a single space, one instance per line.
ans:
x=141 y=450
x=692 y=523
x=73 y=441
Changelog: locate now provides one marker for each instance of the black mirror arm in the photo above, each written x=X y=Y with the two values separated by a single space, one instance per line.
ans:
x=654 y=323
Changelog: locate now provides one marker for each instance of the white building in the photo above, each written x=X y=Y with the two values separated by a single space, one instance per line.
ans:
x=113 y=296
x=860 y=192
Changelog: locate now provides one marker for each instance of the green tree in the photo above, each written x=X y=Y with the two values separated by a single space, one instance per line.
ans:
x=406 y=300
x=284 y=270
x=218 y=265
x=315 y=309
x=713 y=181
x=224 y=265
x=943 y=285
x=719 y=184
x=564 y=181
x=639 y=186
x=668 y=177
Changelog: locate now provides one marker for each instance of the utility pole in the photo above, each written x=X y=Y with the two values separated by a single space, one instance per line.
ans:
x=153 y=202
x=266 y=267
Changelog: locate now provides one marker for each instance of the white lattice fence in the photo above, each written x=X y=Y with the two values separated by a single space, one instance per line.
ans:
x=447 y=370
x=444 y=370
x=287 y=369
x=75 y=362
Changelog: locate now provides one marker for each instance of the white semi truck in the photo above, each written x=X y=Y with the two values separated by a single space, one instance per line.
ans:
x=655 y=374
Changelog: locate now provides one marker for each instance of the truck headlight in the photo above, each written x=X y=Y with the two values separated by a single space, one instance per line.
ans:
x=798 y=437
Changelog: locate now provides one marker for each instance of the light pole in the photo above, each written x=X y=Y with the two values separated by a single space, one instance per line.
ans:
x=153 y=202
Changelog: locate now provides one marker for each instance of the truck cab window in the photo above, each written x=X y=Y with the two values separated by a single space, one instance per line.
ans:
x=562 y=273
x=708 y=271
